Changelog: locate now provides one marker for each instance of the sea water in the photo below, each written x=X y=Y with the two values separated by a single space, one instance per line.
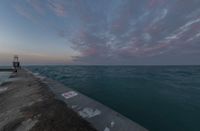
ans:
x=160 y=98
x=4 y=76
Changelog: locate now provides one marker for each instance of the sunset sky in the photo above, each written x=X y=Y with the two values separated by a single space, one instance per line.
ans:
x=93 y=32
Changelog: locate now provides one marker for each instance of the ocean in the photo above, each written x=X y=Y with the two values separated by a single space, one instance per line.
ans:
x=4 y=76
x=160 y=98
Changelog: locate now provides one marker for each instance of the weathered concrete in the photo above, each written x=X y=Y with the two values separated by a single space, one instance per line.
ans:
x=27 y=104
x=100 y=116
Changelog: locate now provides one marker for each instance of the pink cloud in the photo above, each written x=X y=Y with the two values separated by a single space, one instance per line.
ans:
x=153 y=3
x=57 y=7
x=89 y=52
x=37 y=5
x=23 y=12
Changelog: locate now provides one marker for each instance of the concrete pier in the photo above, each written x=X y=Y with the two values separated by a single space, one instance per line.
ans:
x=31 y=102
x=27 y=104
x=100 y=116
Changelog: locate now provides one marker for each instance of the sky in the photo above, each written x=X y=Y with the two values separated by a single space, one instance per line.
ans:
x=100 y=32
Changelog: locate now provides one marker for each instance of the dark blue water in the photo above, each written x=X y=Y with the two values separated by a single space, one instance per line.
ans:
x=4 y=76
x=160 y=98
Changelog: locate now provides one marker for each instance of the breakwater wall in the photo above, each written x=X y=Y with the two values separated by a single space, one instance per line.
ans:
x=100 y=116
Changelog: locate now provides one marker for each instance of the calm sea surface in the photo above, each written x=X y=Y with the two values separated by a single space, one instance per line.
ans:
x=160 y=98
x=4 y=76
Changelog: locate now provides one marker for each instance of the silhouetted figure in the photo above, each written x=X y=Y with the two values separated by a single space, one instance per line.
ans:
x=16 y=63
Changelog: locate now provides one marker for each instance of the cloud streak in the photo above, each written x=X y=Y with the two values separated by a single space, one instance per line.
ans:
x=24 y=12
x=37 y=5
x=111 y=31
x=57 y=7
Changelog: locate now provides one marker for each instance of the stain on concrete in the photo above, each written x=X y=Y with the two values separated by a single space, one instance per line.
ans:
x=69 y=94
x=107 y=129
x=89 y=112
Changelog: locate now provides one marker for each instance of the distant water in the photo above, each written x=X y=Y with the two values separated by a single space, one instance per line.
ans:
x=160 y=98
x=4 y=76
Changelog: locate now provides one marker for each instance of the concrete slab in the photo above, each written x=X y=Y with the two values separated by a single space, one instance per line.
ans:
x=100 y=116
